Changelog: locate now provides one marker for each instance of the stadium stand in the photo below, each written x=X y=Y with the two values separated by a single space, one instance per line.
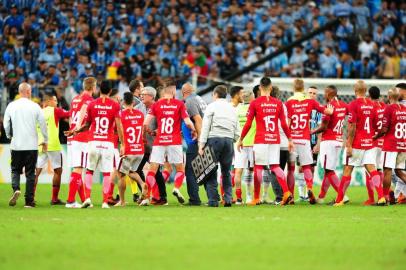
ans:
x=54 y=44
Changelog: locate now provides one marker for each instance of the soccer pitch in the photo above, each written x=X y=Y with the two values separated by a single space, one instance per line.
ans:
x=182 y=237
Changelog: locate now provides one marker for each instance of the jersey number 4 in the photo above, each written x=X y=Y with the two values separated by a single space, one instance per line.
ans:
x=338 y=129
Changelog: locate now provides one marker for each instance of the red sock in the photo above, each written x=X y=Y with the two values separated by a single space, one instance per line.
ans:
x=325 y=184
x=155 y=192
x=55 y=192
x=386 y=193
x=280 y=177
x=291 y=178
x=376 y=181
x=111 y=190
x=238 y=193
x=232 y=178
x=88 y=183
x=370 y=187
x=151 y=182
x=308 y=176
x=73 y=186
x=381 y=175
x=165 y=175
x=258 y=171
x=179 y=176
x=345 y=182
x=81 y=190
x=333 y=179
x=106 y=186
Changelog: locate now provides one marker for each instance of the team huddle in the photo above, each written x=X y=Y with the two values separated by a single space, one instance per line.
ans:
x=119 y=135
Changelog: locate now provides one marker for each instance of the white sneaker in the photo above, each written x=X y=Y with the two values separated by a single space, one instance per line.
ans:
x=178 y=195
x=266 y=200
x=73 y=205
x=320 y=201
x=248 y=199
x=87 y=203
x=346 y=199
x=14 y=198
x=105 y=205
x=144 y=202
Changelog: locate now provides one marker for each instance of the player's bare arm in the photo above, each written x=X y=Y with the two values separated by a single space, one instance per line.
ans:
x=120 y=134
x=147 y=122
x=198 y=123
x=321 y=128
x=190 y=126
x=350 y=138
x=71 y=132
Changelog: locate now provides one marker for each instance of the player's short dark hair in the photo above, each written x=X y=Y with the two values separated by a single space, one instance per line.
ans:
x=128 y=98
x=276 y=93
x=374 y=92
x=255 y=90
x=48 y=96
x=134 y=84
x=234 y=90
x=113 y=92
x=105 y=87
x=220 y=91
x=265 y=82
x=332 y=87
x=314 y=87
x=401 y=86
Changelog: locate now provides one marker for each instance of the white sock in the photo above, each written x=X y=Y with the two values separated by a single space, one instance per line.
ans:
x=301 y=185
x=248 y=178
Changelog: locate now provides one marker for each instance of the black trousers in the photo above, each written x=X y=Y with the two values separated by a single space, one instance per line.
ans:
x=26 y=159
x=158 y=176
x=192 y=186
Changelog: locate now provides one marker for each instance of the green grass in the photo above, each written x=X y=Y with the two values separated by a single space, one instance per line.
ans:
x=180 y=237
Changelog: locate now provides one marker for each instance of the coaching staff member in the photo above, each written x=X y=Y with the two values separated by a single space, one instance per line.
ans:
x=195 y=107
x=220 y=130
x=20 y=124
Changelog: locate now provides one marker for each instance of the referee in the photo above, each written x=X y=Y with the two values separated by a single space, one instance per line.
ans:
x=20 y=124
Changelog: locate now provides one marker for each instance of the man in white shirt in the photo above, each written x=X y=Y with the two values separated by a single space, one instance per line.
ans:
x=220 y=130
x=20 y=124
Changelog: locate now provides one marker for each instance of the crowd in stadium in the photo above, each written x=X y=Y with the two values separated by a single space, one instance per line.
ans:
x=55 y=44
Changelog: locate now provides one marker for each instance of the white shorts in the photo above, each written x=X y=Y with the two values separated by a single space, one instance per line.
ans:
x=129 y=164
x=303 y=150
x=172 y=154
x=266 y=154
x=393 y=160
x=116 y=158
x=330 y=154
x=55 y=157
x=77 y=154
x=378 y=158
x=360 y=157
x=244 y=159
x=100 y=154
